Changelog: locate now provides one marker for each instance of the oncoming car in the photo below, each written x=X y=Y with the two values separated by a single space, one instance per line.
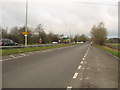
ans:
x=7 y=42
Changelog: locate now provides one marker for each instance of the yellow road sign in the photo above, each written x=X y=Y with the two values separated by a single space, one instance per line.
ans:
x=25 y=33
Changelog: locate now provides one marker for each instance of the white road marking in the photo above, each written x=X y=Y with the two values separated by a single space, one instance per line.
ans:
x=81 y=62
x=83 y=58
x=6 y=59
x=69 y=87
x=12 y=56
x=75 y=75
x=87 y=51
x=79 y=67
x=23 y=54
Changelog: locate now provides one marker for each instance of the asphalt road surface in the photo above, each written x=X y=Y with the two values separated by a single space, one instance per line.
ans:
x=80 y=66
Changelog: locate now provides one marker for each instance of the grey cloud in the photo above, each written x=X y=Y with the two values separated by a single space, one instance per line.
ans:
x=57 y=16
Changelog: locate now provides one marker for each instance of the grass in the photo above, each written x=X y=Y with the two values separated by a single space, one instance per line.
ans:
x=6 y=52
x=110 y=50
x=114 y=45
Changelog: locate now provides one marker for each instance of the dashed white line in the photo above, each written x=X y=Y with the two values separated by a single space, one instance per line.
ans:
x=83 y=58
x=87 y=51
x=75 y=75
x=79 y=67
x=69 y=87
x=81 y=62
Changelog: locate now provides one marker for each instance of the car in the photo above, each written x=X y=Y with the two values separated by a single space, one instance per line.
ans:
x=81 y=42
x=7 y=42
x=54 y=42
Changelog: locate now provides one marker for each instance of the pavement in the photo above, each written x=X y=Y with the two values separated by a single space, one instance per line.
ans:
x=79 y=66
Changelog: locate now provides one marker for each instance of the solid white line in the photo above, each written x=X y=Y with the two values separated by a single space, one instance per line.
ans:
x=5 y=59
x=75 y=75
x=81 y=62
x=79 y=67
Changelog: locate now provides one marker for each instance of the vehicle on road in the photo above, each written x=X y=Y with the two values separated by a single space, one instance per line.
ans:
x=54 y=42
x=7 y=42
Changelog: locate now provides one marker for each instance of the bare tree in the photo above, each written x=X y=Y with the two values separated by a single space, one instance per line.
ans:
x=99 y=34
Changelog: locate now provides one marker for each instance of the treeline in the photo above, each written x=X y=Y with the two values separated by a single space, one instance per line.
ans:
x=99 y=35
x=35 y=34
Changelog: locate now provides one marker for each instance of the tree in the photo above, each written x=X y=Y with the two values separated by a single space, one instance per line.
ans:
x=41 y=34
x=3 y=33
x=99 y=34
x=83 y=38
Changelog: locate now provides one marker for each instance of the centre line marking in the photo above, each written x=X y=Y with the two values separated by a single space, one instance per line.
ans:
x=75 y=75
x=69 y=88
x=81 y=62
x=83 y=58
x=79 y=67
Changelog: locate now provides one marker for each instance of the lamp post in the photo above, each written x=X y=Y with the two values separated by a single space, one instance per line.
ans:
x=26 y=22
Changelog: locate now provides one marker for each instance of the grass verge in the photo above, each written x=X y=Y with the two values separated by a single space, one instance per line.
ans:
x=110 y=50
x=6 y=52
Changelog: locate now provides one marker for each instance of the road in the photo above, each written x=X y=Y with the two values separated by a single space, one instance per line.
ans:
x=80 y=66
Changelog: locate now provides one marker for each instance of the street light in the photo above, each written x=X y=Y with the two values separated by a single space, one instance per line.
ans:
x=26 y=23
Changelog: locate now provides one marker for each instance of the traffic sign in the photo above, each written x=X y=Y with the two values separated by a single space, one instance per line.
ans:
x=25 y=33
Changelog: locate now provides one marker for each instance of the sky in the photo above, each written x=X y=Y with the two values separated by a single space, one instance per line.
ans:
x=61 y=16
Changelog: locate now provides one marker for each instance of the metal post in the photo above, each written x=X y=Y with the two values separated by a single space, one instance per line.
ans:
x=26 y=22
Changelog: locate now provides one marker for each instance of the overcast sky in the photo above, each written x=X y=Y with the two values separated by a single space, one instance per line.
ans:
x=59 y=15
